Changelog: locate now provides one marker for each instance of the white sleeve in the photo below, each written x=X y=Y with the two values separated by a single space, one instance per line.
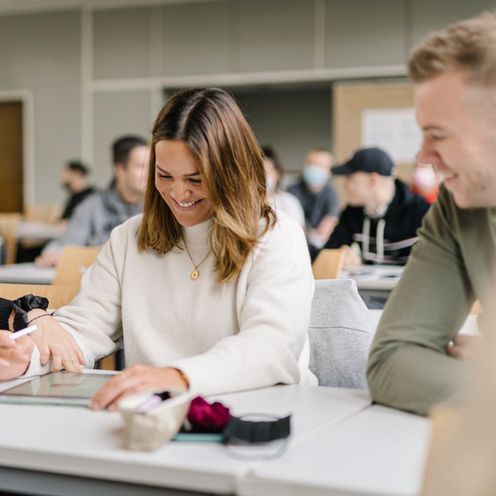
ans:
x=35 y=367
x=273 y=315
x=93 y=317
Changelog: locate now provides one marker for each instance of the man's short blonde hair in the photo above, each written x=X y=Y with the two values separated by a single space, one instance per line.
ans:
x=468 y=46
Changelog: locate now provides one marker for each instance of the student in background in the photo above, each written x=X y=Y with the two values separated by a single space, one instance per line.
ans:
x=203 y=285
x=414 y=362
x=74 y=179
x=280 y=199
x=425 y=182
x=317 y=196
x=99 y=213
x=382 y=215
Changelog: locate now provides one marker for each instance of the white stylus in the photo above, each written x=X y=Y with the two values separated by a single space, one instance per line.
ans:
x=23 y=332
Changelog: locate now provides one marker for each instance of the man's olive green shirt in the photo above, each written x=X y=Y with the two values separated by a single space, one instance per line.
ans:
x=449 y=268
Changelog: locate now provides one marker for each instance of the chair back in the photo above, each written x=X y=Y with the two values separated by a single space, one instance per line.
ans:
x=9 y=223
x=58 y=295
x=340 y=334
x=73 y=261
x=328 y=264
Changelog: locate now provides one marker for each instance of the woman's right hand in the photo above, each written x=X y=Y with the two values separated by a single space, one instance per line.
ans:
x=15 y=356
x=56 y=344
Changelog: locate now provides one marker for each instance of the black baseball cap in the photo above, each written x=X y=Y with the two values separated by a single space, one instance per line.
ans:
x=366 y=160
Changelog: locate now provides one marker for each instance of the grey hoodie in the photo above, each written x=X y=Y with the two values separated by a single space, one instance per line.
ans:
x=94 y=219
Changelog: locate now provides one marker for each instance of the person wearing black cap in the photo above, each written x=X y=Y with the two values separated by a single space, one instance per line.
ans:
x=382 y=215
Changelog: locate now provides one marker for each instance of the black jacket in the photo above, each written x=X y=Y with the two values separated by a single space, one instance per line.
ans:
x=73 y=201
x=387 y=239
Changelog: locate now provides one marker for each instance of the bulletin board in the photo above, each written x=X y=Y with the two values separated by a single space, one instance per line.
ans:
x=352 y=101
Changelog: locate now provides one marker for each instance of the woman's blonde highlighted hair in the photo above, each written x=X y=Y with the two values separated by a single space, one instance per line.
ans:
x=230 y=164
x=468 y=46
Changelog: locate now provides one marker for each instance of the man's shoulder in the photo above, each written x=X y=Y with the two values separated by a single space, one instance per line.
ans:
x=92 y=200
x=130 y=226
x=329 y=190
x=296 y=188
x=351 y=212
x=127 y=231
x=409 y=200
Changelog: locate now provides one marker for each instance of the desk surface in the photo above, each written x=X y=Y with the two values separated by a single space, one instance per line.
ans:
x=82 y=443
x=26 y=273
x=39 y=231
x=378 y=451
x=376 y=277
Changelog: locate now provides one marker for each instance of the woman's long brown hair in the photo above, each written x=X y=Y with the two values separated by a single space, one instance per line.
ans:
x=230 y=163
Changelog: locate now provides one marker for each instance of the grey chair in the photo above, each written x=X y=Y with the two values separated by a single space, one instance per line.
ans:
x=340 y=334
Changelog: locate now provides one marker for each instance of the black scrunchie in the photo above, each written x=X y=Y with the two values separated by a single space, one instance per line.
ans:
x=23 y=305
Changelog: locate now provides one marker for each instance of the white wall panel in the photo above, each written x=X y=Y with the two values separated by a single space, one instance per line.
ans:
x=122 y=43
x=40 y=53
x=365 y=33
x=430 y=16
x=275 y=35
x=116 y=114
x=197 y=38
x=293 y=121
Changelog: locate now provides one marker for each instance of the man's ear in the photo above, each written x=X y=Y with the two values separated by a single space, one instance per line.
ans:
x=119 y=167
x=374 y=178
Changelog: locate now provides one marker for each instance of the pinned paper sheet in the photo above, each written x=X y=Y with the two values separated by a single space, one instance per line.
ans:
x=394 y=130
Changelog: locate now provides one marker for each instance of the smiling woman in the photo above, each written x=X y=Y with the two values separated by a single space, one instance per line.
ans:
x=210 y=289
x=179 y=183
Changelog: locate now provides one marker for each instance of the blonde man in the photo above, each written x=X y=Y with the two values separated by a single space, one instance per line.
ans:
x=415 y=358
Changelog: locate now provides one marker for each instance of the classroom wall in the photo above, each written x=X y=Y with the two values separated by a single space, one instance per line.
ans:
x=293 y=121
x=100 y=70
x=39 y=57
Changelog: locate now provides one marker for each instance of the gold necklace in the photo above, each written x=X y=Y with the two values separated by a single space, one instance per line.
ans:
x=195 y=274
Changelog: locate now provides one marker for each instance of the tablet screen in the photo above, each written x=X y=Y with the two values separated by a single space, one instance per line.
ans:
x=64 y=388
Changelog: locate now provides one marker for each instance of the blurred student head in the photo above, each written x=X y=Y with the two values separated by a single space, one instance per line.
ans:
x=74 y=176
x=317 y=169
x=368 y=177
x=273 y=168
x=130 y=161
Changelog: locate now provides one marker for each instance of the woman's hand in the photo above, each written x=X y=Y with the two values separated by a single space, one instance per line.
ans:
x=136 y=379
x=463 y=346
x=48 y=258
x=56 y=343
x=15 y=356
x=352 y=260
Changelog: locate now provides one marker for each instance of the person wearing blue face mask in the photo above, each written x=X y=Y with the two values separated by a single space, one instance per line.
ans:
x=318 y=198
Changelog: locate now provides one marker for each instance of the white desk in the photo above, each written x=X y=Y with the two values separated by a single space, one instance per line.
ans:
x=379 y=451
x=376 y=277
x=39 y=231
x=26 y=273
x=82 y=449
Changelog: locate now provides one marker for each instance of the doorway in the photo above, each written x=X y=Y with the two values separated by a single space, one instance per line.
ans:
x=11 y=156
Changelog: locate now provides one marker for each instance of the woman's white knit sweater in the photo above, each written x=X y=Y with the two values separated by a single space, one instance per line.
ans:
x=225 y=337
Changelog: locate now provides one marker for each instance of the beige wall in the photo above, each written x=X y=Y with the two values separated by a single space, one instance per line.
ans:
x=97 y=72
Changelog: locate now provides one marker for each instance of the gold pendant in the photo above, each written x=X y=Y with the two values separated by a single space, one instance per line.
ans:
x=195 y=274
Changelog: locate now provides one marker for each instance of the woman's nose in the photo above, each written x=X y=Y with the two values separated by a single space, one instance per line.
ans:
x=180 y=191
